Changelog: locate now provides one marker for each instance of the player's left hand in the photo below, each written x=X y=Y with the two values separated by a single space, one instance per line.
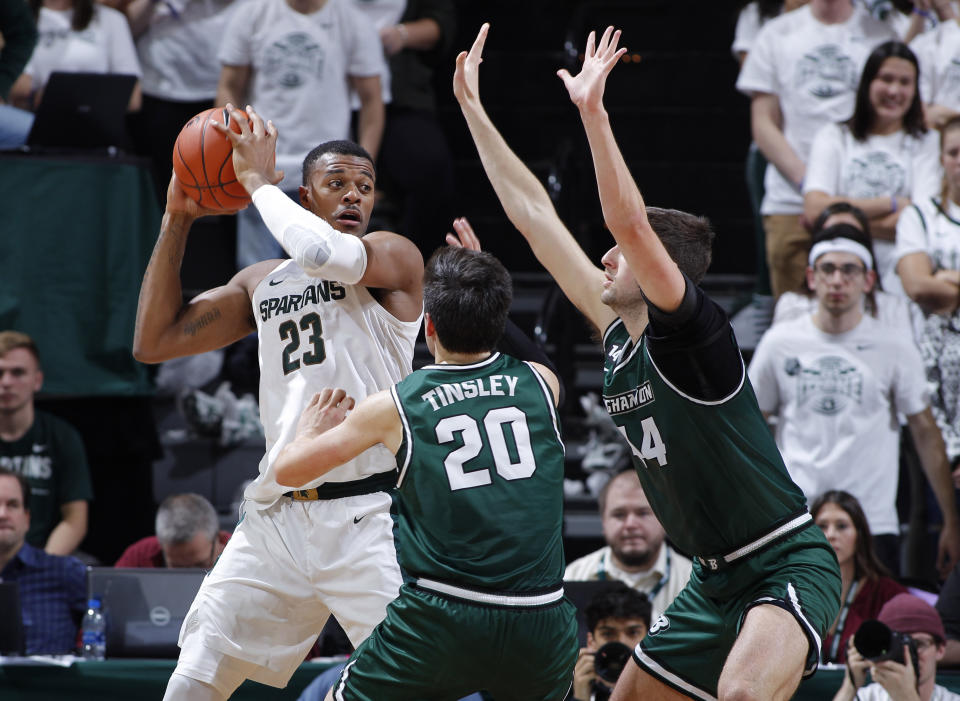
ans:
x=465 y=237
x=586 y=88
x=254 y=149
x=899 y=680
x=466 y=76
x=327 y=408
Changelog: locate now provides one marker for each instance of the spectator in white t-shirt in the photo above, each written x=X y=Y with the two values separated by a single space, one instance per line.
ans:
x=880 y=159
x=801 y=73
x=938 y=51
x=836 y=380
x=76 y=36
x=928 y=261
x=752 y=16
x=296 y=61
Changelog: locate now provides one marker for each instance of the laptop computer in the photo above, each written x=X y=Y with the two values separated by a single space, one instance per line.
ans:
x=12 y=641
x=144 y=607
x=82 y=111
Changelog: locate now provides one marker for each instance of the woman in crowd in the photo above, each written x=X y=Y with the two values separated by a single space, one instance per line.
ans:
x=928 y=262
x=880 y=159
x=865 y=584
x=76 y=36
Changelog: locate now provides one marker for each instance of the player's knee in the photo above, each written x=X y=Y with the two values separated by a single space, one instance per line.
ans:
x=739 y=690
x=183 y=688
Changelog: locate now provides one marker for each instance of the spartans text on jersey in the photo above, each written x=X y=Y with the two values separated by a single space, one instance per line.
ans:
x=324 y=290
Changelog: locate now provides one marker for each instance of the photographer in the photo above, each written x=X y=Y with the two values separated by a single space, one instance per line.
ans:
x=900 y=681
x=617 y=619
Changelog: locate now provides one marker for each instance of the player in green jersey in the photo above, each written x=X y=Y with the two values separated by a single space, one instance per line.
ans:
x=479 y=505
x=765 y=584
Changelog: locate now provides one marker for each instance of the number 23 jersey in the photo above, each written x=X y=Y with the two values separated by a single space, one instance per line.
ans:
x=317 y=333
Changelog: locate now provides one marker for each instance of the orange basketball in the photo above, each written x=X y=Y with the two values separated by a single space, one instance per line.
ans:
x=203 y=162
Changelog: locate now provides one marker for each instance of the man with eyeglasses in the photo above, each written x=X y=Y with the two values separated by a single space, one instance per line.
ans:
x=893 y=681
x=187 y=535
x=835 y=380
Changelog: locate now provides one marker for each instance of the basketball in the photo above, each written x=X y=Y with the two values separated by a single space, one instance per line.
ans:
x=203 y=162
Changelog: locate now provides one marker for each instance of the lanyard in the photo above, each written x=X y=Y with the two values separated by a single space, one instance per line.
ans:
x=841 y=622
x=664 y=578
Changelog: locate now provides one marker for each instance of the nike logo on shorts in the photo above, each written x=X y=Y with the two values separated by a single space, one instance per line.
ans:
x=357 y=519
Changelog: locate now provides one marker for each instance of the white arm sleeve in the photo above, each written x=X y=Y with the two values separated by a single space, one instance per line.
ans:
x=317 y=247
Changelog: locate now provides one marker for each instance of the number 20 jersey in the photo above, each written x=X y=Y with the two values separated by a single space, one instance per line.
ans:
x=481 y=477
x=710 y=469
x=317 y=333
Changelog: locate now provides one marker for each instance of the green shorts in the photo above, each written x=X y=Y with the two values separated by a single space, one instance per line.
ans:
x=432 y=646
x=687 y=646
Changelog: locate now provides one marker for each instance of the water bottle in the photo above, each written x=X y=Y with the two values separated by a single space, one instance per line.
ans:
x=93 y=632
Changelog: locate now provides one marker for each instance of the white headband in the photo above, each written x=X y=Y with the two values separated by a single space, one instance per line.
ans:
x=841 y=245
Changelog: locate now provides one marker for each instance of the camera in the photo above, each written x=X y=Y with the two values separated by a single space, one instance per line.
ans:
x=608 y=663
x=878 y=642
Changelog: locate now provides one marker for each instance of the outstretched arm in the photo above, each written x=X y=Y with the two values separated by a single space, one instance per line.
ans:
x=328 y=437
x=168 y=328
x=525 y=200
x=623 y=208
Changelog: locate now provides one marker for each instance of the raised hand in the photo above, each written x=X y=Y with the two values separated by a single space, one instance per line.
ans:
x=254 y=149
x=586 y=88
x=327 y=408
x=465 y=237
x=178 y=202
x=466 y=77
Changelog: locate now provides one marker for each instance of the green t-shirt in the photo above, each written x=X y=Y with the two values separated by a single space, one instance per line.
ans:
x=52 y=458
x=481 y=477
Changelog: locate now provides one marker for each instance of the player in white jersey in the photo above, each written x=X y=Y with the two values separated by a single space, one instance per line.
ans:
x=345 y=311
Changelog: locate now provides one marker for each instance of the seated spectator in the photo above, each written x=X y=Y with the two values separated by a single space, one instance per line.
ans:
x=928 y=261
x=187 y=535
x=615 y=615
x=636 y=552
x=866 y=585
x=53 y=589
x=836 y=381
x=889 y=309
x=75 y=36
x=893 y=681
x=48 y=452
x=18 y=37
x=882 y=158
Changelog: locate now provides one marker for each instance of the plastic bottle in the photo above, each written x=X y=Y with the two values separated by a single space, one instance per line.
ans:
x=94 y=632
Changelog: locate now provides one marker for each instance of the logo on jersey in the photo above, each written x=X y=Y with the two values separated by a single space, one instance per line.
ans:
x=875 y=174
x=323 y=291
x=826 y=72
x=661 y=624
x=829 y=385
x=628 y=401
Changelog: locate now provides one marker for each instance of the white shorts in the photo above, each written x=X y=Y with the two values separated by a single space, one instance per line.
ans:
x=284 y=571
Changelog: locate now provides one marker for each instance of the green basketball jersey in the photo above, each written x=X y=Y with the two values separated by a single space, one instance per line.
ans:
x=480 y=494
x=711 y=470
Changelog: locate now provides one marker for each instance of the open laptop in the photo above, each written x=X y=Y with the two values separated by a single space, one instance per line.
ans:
x=11 y=622
x=144 y=607
x=82 y=111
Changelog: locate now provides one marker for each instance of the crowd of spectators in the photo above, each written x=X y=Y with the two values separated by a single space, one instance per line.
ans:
x=855 y=118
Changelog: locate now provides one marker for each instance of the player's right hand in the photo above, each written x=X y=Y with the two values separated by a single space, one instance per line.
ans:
x=465 y=236
x=179 y=202
x=327 y=408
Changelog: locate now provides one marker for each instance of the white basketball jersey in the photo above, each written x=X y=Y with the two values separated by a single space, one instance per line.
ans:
x=317 y=333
